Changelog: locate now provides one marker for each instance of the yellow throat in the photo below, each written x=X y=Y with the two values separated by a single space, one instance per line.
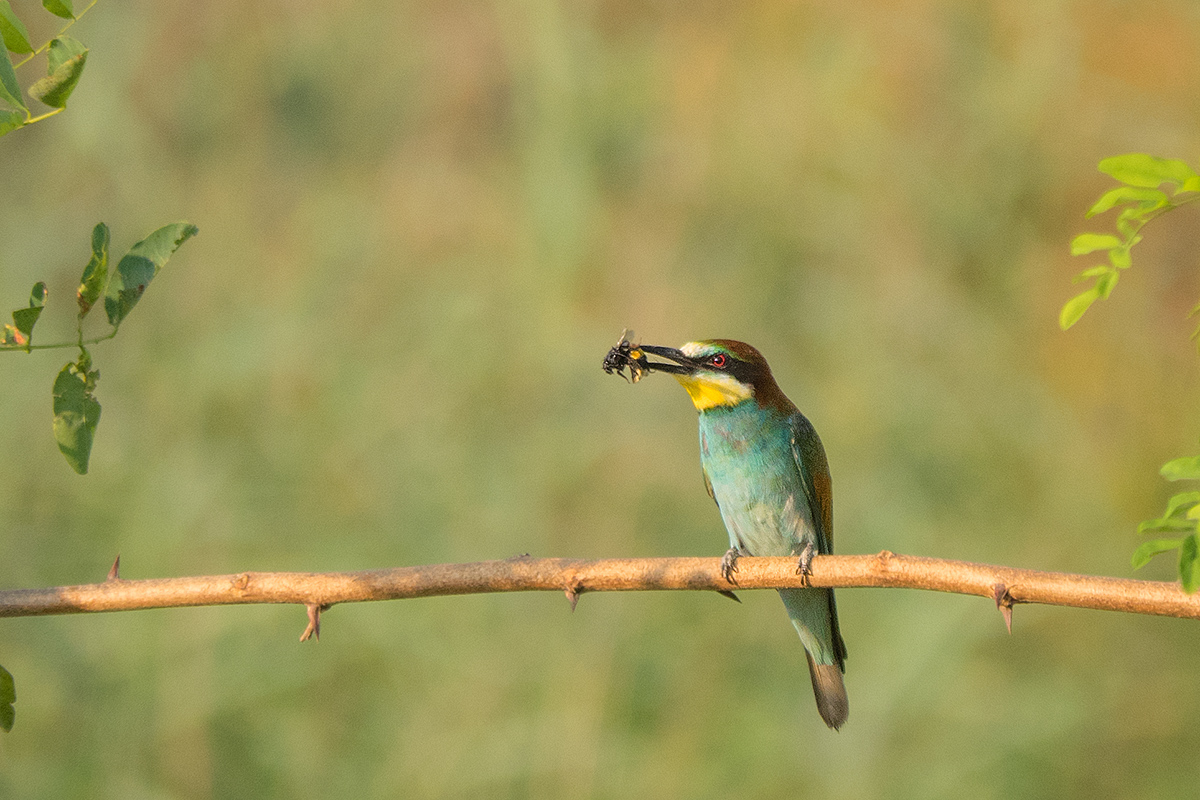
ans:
x=709 y=390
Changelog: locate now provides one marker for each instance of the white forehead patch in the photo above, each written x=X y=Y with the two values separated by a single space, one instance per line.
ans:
x=695 y=349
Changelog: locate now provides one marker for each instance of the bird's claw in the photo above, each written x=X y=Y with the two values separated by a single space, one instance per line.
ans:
x=804 y=565
x=729 y=565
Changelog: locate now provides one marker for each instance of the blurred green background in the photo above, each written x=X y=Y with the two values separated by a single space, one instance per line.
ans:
x=422 y=224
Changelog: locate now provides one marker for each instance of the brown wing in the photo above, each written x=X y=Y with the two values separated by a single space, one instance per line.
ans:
x=814 y=477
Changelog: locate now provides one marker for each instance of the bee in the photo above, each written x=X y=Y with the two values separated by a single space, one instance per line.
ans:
x=625 y=354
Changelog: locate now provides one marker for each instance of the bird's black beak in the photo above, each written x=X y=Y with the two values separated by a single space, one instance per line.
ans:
x=625 y=355
x=682 y=366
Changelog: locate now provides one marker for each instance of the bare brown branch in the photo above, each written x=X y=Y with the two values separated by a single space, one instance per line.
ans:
x=1004 y=585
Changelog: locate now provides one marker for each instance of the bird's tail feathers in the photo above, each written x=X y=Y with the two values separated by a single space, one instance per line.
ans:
x=830 y=691
x=815 y=618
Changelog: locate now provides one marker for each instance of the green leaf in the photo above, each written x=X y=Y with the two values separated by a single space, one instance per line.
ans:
x=1141 y=169
x=25 y=318
x=60 y=8
x=1092 y=272
x=13 y=31
x=138 y=267
x=66 y=59
x=1166 y=524
x=1139 y=214
x=1125 y=222
x=62 y=50
x=1076 y=306
x=1189 y=554
x=1184 y=502
x=11 y=120
x=10 y=90
x=8 y=696
x=1091 y=242
x=1120 y=258
x=1181 y=502
x=1148 y=550
x=76 y=414
x=1182 y=469
x=1106 y=283
x=95 y=274
x=1191 y=185
x=1147 y=198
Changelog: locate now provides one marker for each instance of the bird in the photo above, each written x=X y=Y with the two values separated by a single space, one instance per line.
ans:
x=766 y=468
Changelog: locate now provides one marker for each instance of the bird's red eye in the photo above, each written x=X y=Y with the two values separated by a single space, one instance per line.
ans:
x=717 y=361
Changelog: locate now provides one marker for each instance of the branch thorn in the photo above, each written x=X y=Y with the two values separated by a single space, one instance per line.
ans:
x=313 y=631
x=573 y=590
x=114 y=572
x=1004 y=602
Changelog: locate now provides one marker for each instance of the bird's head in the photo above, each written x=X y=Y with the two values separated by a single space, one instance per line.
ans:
x=718 y=373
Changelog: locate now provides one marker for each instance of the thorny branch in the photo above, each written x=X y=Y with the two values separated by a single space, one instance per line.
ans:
x=317 y=591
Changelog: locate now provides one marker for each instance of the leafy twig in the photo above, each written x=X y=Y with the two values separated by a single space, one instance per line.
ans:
x=76 y=410
x=65 y=60
x=1142 y=200
x=1182 y=517
x=71 y=20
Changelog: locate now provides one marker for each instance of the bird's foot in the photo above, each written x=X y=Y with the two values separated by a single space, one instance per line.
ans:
x=729 y=565
x=804 y=566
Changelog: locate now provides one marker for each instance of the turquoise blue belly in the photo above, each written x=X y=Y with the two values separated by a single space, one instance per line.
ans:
x=746 y=451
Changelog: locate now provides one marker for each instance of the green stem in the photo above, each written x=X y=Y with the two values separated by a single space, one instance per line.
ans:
x=65 y=28
x=1174 y=204
x=25 y=348
x=1135 y=226
x=41 y=117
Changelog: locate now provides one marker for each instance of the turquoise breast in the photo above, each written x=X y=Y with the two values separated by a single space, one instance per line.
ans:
x=746 y=452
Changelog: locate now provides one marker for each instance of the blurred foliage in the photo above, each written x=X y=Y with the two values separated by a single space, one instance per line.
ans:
x=1182 y=516
x=425 y=223
x=8 y=696
x=76 y=410
x=65 y=60
x=1143 y=200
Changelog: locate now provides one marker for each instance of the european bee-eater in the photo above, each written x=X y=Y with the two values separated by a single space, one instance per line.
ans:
x=766 y=469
